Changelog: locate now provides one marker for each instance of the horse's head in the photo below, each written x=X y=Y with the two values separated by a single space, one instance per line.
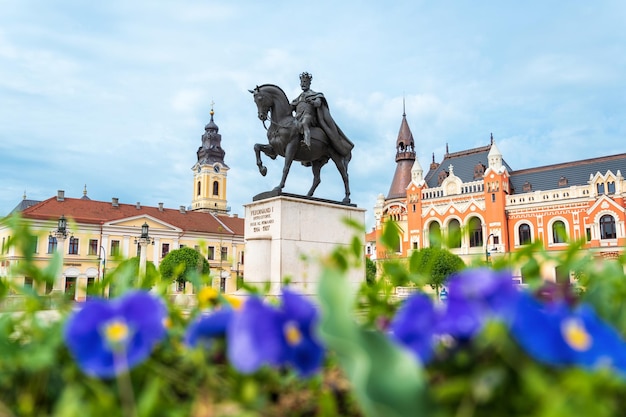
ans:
x=263 y=102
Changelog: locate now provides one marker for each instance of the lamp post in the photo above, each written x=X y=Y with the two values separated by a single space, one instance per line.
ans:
x=60 y=234
x=143 y=241
x=487 y=248
x=103 y=258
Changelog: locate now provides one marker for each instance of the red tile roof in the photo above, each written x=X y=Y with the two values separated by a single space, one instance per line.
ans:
x=97 y=212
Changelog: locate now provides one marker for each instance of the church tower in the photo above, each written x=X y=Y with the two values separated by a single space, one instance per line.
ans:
x=210 y=172
x=405 y=157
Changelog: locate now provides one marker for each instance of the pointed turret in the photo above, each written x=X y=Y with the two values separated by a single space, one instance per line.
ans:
x=417 y=173
x=494 y=156
x=405 y=156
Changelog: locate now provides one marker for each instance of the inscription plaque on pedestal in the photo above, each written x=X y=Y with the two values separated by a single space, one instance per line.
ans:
x=286 y=236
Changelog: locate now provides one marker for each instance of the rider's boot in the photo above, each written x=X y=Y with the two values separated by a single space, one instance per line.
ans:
x=307 y=138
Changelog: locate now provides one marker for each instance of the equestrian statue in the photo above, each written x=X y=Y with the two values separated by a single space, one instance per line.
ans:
x=311 y=136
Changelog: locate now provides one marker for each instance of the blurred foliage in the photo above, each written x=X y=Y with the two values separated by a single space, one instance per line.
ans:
x=365 y=374
x=181 y=264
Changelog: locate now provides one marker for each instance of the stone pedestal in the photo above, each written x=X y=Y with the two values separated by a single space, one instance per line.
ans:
x=287 y=235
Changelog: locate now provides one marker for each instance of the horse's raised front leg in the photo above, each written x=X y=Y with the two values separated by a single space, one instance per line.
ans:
x=267 y=150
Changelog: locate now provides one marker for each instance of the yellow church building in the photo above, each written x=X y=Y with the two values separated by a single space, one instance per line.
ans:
x=94 y=236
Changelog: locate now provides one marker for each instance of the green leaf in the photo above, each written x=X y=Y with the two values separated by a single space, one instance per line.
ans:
x=386 y=379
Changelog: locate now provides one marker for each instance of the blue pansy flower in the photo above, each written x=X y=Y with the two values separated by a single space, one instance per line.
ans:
x=474 y=296
x=206 y=327
x=556 y=334
x=414 y=325
x=302 y=349
x=107 y=337
x=260 y=334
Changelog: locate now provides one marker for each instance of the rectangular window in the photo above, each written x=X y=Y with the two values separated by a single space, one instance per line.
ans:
x=496 y=240
x=91 y=288
x=32 y=244
x=73 y=246
x=52 y=244
x=165 y=249
x=493 y=198
x=224 y=254
x=93 y=246
x=475 y=238
x=28 y=282
x=115 y=248
x=70 y=287
x=211 y=254
x=414 y=245
x=242 y=257
x=588 y=232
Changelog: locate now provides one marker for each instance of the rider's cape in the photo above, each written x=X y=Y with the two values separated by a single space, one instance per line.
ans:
x=338 y=139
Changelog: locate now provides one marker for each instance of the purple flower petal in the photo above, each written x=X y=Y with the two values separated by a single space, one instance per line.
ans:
x=138 y=313
x=477 y=295
x=207 y=327
x=414 y=325
x=254 y=337
x=558 y=335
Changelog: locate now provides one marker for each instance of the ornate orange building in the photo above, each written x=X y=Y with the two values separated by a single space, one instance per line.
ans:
x=481 y=207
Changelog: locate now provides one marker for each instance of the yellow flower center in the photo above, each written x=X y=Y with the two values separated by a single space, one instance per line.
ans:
x=116 y=332
x=575 y=334
x=235 y=302
x=206 y=295
x=292 y=333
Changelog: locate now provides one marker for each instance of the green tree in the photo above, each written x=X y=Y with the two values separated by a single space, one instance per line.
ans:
x=126 y=275
x=435 y=265
x=182 y=264
x=370 y=271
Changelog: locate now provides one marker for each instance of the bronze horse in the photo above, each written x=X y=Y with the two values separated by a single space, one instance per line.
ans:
x=284 y=138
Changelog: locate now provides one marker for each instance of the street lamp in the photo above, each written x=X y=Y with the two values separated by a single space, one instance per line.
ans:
x=143 y=241
x=60 y=234
x=61 y=227
x=487 y=247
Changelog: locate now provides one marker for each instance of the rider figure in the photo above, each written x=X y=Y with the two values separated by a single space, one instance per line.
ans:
x=305 y=107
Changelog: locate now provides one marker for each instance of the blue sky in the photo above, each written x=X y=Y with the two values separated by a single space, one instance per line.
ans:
x=115 y=94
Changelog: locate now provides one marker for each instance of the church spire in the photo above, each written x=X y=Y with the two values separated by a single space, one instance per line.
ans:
x=211 y=150
x=210 y=172
x=405 y=156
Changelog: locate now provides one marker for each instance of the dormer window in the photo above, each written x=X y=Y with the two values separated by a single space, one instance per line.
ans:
x=442 y=176
x=527 y=187
x=562 y=181
x=479 y=171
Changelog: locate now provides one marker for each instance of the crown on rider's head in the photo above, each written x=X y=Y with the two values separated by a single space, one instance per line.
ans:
x=306 y=76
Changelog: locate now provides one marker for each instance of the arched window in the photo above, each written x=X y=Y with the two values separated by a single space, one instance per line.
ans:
x=216 y=188
x=199 y=187
x=434 y=235
x=475 y=232
x=524 y=234
x=559 y=233
x=454 y=234
x=611 y=187
x=607 y=227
